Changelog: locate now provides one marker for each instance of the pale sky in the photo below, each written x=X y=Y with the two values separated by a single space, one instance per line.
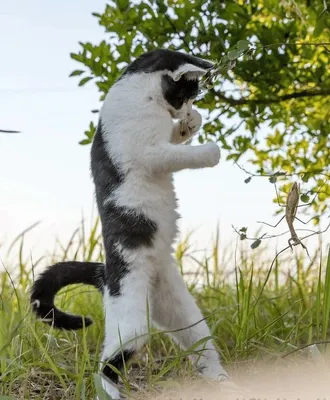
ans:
x=44 y=173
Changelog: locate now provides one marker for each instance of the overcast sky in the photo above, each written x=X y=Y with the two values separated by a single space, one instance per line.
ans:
x=44 y=173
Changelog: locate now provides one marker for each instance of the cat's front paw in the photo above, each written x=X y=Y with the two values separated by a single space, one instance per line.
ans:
x=211 y=154
x=194 y=121
x=185 y=129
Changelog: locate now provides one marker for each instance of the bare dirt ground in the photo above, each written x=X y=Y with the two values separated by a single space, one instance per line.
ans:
x=290 y=382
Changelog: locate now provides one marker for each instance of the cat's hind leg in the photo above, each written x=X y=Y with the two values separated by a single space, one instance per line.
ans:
x=126 y=324
x=173 y=308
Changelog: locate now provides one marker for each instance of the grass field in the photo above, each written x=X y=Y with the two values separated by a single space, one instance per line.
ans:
x=256 y=310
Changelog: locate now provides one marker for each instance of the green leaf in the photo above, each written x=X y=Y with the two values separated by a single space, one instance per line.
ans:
x=77 y=72
x=273 y=179
x=256 y=244
x=85 y=141
x=77 y=57
x=233 y=156
x=122 y=5
x=320 y=25
x=233 y=54
x=244 y=229
x=306 y=177
x=161 y=6
x=224 y=60
x=85 y=80
x=304 y=198
x=243 y=45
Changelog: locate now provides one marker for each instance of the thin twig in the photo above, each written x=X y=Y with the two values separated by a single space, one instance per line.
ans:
x=180 y=37
x=280 y=173
x=265 y=236
x=295 y=44
x=274 y=100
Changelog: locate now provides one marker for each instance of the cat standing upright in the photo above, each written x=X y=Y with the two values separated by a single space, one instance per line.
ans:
x=135 y=151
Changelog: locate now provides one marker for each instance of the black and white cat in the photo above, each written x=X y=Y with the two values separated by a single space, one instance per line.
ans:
x=136 y=149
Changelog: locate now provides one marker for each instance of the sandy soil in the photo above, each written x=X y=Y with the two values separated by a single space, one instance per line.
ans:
x=289 y=382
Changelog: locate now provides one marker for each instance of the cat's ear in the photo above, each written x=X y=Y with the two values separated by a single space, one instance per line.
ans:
x=190 y=71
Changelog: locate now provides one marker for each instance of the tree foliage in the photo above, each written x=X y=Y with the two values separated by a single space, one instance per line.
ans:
x=270 y=104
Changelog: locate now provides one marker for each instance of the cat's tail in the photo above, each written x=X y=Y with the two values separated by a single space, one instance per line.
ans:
x=55 y=278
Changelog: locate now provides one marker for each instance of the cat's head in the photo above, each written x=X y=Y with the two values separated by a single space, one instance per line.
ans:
x=178 y=75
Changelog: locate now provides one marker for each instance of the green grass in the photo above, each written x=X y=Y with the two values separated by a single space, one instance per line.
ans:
x=256 y=309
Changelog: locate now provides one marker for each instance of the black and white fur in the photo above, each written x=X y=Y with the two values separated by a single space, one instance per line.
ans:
x=136 y=149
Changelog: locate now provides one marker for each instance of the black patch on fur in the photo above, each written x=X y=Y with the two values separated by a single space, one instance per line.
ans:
x=55 y=278
x=106 y=175
x=129 y=228
x=116 y=270
x=118 y=363
x=120 y=225
x=178 y=93
x=163 y=59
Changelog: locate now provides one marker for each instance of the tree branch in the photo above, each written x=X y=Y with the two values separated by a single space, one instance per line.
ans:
x=182 y=37
x=274 y=100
